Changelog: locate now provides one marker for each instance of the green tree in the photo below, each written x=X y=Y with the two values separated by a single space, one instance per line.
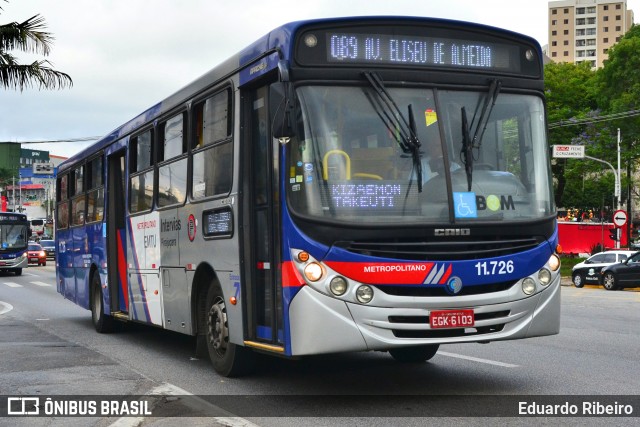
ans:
x=28 y=36
x=618 y=92
x=569 y=90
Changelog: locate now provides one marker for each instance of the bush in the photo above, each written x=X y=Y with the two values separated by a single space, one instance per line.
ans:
x=596 y=248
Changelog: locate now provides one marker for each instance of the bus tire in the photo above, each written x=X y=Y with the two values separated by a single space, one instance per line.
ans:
x=416 y=354
x=228 y=359
x=102 y=322
x=18 y=271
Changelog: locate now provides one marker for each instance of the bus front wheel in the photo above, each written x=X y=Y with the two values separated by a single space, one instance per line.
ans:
x=228 y=359
x=417 y=354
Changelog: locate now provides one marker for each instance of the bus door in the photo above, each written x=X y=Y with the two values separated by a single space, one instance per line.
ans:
x=260 y=241
x=116 y=234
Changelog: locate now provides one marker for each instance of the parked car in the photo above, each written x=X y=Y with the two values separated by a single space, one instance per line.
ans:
x=588 y=271
x=49 y=247
x=622 y=275
x=36 y=254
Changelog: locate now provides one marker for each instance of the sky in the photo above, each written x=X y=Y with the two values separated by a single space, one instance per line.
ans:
x=126 y=55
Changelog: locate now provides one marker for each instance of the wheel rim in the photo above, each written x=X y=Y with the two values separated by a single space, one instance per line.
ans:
x=609 y=281
x=217 y=329
x=577 y=280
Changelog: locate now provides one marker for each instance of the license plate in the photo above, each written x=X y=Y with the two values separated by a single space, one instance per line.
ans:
x=33 y=259
x=451 y=319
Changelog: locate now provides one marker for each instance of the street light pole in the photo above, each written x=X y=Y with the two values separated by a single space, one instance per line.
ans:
x=618 y=185
x=616 y=175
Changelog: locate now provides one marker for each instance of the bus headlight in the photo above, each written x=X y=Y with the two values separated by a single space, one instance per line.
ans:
x=313 y=271
x=364 y=294
x=528 y=286
x=544 y=276
x=338 y=285
x=554 y=262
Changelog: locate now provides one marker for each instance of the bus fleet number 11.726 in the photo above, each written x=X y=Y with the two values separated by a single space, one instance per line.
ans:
x=491 y=268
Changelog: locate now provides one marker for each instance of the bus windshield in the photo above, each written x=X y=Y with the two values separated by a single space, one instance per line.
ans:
x=13 y=236
x=350 y=162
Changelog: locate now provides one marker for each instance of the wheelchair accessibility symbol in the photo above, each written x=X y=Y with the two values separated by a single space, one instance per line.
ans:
x=465 y=205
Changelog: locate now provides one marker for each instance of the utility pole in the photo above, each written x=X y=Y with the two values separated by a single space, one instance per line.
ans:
x=618 y=185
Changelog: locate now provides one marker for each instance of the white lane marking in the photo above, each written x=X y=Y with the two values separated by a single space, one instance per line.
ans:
x=13 y=284
x=30 y=274
x=169 y=389
x=5 y=307
x=41 y=284
x=476 y=359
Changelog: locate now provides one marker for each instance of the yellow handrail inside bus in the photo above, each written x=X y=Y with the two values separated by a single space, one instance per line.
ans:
x=325 y=163
x=367 y=175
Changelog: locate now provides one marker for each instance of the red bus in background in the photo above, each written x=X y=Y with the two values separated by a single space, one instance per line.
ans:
x=582 y=237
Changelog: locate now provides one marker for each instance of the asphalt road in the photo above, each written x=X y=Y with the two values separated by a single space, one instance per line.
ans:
x=48 y=347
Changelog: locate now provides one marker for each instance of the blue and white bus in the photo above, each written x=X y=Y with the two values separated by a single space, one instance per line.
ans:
x=340 y=185
x=14 y=236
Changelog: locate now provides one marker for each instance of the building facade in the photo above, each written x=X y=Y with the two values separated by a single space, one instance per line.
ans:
x=584 y=30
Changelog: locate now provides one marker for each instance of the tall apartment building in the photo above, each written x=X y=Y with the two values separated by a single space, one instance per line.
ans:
x=584 y=30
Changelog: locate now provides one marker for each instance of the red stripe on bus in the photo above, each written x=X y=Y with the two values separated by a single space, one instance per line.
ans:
x=122 y=270
x=291 y=278
x=446 y=275
x=389 y=273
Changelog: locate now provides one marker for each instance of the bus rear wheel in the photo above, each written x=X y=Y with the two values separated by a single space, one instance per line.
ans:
x=417 y=354
x=101 y=322
x=228 y=359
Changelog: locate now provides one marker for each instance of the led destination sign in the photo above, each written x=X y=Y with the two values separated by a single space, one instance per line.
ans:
x=421 y=51
x=381 y=198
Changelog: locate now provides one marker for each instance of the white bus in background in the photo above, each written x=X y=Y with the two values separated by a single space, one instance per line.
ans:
x=37 y=227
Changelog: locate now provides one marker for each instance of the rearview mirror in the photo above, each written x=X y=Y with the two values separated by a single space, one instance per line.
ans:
x=283 y=105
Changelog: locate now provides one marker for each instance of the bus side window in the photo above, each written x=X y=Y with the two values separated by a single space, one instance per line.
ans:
x=142 y=174
x=62 y=209
x=63 y=215
x=213 y=156
x=172 y=174
x=95 y=190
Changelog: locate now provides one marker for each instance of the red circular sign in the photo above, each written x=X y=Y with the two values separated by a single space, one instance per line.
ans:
x=191 y=227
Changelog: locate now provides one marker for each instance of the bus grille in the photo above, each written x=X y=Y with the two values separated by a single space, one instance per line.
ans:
x=440 y=291
x=444 y=250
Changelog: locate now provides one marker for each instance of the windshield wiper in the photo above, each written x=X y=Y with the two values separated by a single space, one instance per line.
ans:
x=468 y=143
x=405 y=132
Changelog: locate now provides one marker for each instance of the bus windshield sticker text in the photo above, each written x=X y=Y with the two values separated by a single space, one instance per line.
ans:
x=467 y=205
x=426 y=51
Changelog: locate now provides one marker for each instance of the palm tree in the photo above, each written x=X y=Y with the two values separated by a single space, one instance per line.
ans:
x=28 y=37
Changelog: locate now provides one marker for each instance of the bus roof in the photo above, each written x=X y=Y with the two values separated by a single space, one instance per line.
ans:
x=278 y=40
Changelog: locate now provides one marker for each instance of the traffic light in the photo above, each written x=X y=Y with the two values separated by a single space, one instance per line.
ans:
x=613 y=233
